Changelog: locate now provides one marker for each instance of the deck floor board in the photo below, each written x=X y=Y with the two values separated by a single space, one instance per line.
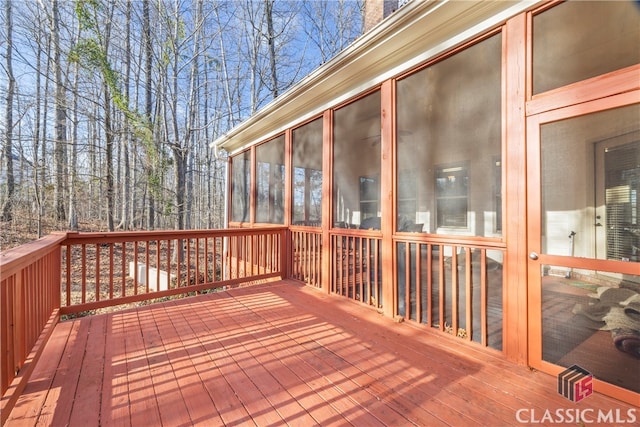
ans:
x=274 y=354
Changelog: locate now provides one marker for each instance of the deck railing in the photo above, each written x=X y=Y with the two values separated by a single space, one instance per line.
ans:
x=455 y=288
x=29 y=303
x=70 y=273
x=105 y=269
x=356 y=271
x=306 y=260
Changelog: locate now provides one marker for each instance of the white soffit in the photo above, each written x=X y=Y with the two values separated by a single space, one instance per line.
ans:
x=418 y=31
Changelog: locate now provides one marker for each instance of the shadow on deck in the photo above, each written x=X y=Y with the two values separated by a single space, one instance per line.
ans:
x=277 y=354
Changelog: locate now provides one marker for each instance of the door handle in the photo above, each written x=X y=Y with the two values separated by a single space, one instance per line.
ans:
x=533 y=256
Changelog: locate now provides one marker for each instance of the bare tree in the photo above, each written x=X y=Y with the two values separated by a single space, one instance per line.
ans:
x=8 y=140
x=148 y=50
x=61 y=116
x=271 y=41
x=126 y=144
x=126 y=182
x=331 y=25
x=73 y=162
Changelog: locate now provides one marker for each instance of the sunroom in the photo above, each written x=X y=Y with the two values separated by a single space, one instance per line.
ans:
x=472 y=168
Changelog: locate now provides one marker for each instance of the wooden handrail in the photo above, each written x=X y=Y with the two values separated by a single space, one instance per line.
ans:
x=67 y=273
x=14 y=259
x=106 y=269
x=29 y=302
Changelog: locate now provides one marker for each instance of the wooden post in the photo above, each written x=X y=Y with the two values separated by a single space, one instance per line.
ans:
x=387 y=208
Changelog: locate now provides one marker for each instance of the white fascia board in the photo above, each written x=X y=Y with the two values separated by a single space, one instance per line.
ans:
x=415 y=33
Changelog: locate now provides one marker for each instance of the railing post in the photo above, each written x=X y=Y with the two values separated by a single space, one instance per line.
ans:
x=286 y=253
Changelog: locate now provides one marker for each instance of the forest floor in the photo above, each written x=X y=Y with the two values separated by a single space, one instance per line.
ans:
x=19 y=231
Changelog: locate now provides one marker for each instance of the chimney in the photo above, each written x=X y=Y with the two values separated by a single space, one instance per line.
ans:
x=376 y=10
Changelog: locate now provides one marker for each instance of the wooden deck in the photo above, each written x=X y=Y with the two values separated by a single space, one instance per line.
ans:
x=276 y=354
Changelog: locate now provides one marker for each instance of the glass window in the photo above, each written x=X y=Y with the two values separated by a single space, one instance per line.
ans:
x=307 y=174
x=449 y=144
x=241 y=186
x=356 y=164
x=452 y=196
x=577 y=40
x=594 y=213
x=270 y=181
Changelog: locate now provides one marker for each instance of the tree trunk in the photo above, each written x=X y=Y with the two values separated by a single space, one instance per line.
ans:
x=108 y=132
x=37 y=183
x=61 y=119
x=45 y=136
x=146 y=29
x=125 y=223
x=271 y=40
x=108 y=135
x=7 y=208
x=73 y=164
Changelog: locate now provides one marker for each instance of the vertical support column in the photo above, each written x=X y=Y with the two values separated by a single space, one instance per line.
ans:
x=253 y=186
x=288 y=176
x=287 y=247
x=327 y=199
x=229 y=193
x=387 y=180
x=515 y=63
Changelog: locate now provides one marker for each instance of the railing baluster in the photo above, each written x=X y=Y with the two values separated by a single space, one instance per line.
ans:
x=135 y=267
x=454 y=289
x=307 y=254
x=483 y=297
x=124 y=269
x=360 y=264
x=407 y=280
x=441 y=286
x=468 y=293
x=429 y=295
x=237 y=255
x=147 y=265
x=188 y=262
x=198 y=262
x=418 y=264
x=158 y=244
x=214 y=258
x=97 y=274
x=254 y=243
x=84 y=273
x=267 y=252
x=169 y=269
x=68 y=284
x=111 y=272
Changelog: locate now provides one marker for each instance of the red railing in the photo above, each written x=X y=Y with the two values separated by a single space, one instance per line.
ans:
x=451 y=287
x=306 y=260
x=29 y=302
x=106 y=269
x=70 y=273
x=356 y=267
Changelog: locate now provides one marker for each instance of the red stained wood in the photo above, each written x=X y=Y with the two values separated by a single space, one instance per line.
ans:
x=273 y=354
